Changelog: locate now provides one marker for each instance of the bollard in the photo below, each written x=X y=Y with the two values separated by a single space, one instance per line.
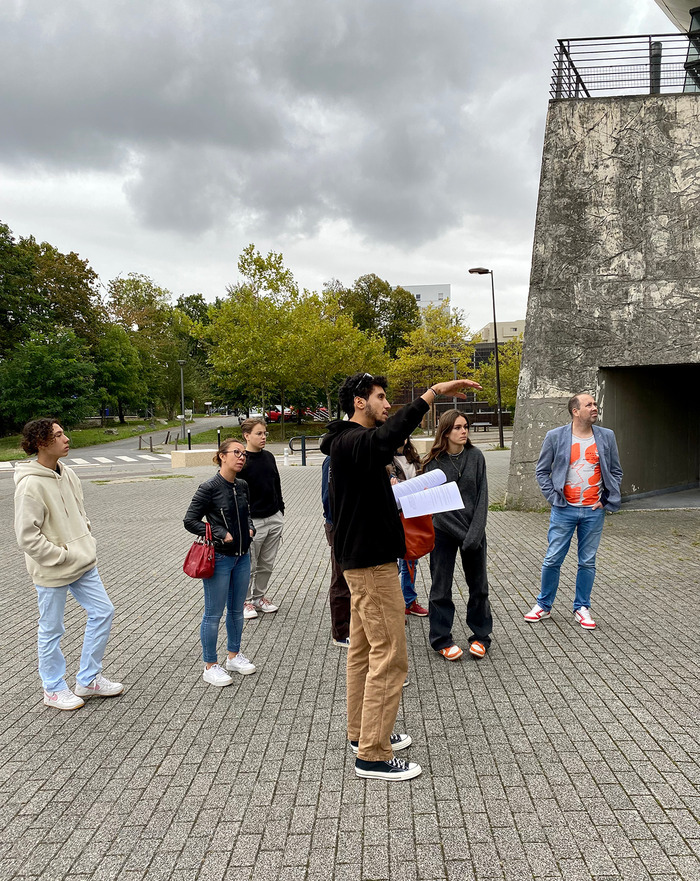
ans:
x=189 y=439
x=150 y=443
x=303 y=449
x=218 y=438
x=139 y=441
x=286 y=457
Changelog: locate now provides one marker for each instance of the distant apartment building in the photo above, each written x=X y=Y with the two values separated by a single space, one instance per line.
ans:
x=429 y=294
x=507 y=330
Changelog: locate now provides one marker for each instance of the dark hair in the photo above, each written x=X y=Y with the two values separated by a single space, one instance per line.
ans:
x=445 y=426
x=575 y=403
x=410 y=452
x=359 y=385
x=37 y=433
x=249 y=424
x=224 y=448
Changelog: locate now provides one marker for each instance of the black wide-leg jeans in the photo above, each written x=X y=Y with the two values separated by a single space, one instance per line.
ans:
x=441 y=608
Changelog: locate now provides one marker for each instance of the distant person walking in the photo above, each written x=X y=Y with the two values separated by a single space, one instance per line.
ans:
x=405 y=465
x=267 y=509
x=463 y=531
x=338 y=592
x=579 y=473
x=223 y=500
x=368 y=540
x=54 y=532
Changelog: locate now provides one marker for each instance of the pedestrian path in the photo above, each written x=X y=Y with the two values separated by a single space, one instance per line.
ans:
x=94 y=461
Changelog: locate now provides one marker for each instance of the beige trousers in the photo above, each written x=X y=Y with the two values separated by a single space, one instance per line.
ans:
x=377 y=658
x=263 y=550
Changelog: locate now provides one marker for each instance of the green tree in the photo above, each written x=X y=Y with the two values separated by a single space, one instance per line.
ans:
x=509 y=357
x=50 y=374
x=431 y=348
x=118 y=377
x=377 y=307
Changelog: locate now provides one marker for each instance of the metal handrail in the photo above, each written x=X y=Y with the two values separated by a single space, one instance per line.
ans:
x=640 y=64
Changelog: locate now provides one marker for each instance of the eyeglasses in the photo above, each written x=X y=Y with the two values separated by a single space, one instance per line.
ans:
x=239 y=454
x=361 y=381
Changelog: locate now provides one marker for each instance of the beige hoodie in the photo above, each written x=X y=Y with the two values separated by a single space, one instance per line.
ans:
x=51 y=525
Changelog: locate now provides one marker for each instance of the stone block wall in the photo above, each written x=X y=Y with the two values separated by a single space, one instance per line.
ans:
x=615 y=280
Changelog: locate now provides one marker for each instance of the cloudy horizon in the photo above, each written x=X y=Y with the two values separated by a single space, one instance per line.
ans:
x=392 y=137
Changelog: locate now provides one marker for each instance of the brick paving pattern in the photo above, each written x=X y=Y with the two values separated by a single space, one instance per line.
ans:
x=564 y=754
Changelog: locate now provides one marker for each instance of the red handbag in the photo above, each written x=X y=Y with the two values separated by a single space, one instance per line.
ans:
x=200 y=562
x=420 y=536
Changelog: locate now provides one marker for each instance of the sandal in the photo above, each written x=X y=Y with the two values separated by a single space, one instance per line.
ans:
x=476 y=648
x=451 y=652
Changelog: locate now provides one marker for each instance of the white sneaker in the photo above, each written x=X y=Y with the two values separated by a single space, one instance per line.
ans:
x=216 y=675
x=583 y=616
x=99 y=687
x=264 y=605
x=63 y=699
x=249 y=611
x=537 y=613
x=240 y=664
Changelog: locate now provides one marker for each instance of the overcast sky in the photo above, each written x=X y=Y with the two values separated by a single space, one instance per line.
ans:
x=401 y=137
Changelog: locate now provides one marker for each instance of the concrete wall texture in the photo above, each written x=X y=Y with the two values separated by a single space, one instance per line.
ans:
x=615 y=287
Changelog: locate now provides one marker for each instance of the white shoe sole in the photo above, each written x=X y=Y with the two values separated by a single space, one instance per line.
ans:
x=415 y=771
x=248 y=616
x=242 y=672
x=218 y=684
x=535 y=620
x=55 y=706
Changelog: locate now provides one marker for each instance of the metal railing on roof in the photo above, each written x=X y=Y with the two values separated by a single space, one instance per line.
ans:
x=639 y=65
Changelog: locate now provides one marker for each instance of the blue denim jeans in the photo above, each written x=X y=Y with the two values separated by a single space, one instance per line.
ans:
x=407 y=574
x=227 y=588
x=90 y=593
x=563 y=522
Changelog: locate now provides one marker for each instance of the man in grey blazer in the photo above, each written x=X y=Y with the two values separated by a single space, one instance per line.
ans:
x=579 y=474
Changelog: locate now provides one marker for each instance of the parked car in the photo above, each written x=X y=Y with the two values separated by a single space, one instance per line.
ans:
x=274 y=414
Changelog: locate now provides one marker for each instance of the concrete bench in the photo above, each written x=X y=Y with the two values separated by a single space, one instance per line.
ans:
x=191 y=458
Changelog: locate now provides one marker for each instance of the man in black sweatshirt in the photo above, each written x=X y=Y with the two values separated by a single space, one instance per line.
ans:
x=368 y=541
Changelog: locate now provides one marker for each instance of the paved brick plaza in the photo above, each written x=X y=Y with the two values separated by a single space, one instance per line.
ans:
x=563 y=754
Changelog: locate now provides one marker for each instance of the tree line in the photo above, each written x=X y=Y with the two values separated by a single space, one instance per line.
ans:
x=72 y=347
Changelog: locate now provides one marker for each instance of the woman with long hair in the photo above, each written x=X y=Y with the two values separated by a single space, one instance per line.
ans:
x=405 y=465
x=463 y=530
x=224 y=501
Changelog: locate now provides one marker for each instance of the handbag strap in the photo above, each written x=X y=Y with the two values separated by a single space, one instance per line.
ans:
x=207 y=532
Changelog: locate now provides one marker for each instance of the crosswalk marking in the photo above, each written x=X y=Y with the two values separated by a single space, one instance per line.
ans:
x=152 y=458
x=126 y=458
x=6 y=465
x=102 y=459
x=79 y=461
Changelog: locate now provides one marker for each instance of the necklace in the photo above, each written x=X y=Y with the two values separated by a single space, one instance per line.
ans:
x=454 y=460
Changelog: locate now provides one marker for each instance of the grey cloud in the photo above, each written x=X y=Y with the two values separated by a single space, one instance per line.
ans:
x=399 y=116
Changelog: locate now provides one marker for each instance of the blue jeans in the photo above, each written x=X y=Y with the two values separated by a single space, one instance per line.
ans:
x=90 y=593
x=563 y=522
x=227 y=588
x=407 y=574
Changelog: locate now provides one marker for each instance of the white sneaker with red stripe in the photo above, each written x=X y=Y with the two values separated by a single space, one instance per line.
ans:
x=537 y=613
x=583 y=616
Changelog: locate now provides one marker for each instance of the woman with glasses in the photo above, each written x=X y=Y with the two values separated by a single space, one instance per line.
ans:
x=267 y=511
x=224 y=501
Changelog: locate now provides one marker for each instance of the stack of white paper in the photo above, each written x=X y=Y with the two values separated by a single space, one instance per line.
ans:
x=427 y=494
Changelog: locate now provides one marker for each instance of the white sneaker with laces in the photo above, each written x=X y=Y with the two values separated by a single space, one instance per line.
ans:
x=537 y=613
x=63 y=699
x=249 y=611
x=99 y=687
x=240 y=664
x=216 y=675
x=264 y=605
x=583 y=616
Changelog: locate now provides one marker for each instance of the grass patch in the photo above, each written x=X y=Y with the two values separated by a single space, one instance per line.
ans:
x=274 y=432
x=10 y=448
x=171 y=477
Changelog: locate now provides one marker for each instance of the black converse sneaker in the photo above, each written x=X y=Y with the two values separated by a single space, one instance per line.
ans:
x=394 y=769
x=398 y=741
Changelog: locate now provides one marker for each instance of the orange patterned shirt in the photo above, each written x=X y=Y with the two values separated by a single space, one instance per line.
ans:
x=583 y=480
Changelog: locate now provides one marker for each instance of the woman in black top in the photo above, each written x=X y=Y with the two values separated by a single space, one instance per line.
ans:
x=224 y=501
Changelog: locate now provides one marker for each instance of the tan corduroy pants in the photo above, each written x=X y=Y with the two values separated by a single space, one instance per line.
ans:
x=377 y=658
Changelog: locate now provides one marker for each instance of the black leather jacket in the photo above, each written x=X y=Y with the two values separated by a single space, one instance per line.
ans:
x=226 y=507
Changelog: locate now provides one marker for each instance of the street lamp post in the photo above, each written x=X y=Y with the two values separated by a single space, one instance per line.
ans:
x=480 y=270
x=454 y=370
x=181 y=362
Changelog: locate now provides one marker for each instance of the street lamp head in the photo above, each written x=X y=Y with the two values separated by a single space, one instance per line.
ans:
x=479 y=270
x=181 y=362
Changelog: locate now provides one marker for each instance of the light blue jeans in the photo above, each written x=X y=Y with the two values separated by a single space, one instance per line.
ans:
x=90 y=593
x=408 y=580
x=227 y=588
x=563 y=522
